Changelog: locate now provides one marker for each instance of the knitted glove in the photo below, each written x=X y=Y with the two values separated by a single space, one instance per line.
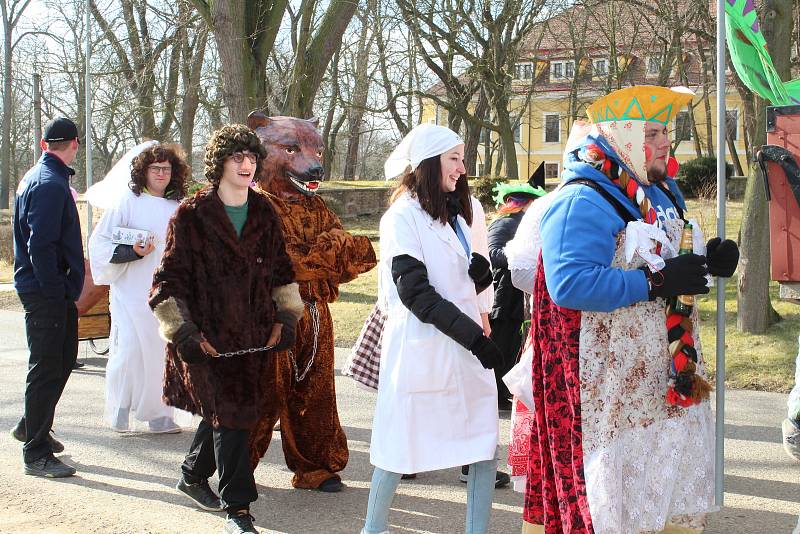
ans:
x=187 y=343
x=480 y=270
x=682 y=275
x=722 y=257
x=487 y=352
x=288 y=335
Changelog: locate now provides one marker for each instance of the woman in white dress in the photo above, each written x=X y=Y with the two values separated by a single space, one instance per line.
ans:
x=437 y=398
x=156 y=181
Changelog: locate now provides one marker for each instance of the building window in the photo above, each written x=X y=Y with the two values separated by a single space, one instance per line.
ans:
x=552 y=128
x=600 y=67
x=479 y=169
x=550 y=171
x=653 y=65
x=683 y=126
x=518 y=133
x=732 y=123
x=562 y=69
x=523 y=71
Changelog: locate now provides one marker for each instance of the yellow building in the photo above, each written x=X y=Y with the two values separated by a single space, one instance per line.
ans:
x=547 y=86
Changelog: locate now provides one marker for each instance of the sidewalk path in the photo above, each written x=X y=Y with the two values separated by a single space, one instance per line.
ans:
x=125 y=483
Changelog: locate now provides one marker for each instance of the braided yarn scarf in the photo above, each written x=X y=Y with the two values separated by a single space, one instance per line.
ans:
x=685 y=387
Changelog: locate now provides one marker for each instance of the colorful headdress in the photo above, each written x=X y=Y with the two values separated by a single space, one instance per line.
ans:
x=620 y=118
x=505 y=189
x=649 y=103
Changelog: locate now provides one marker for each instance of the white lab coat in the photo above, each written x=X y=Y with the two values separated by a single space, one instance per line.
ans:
x=437 y=405
x=135 y=369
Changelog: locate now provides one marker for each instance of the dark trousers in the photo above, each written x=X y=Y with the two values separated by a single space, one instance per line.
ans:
x=51 y=327
x=226 y=450
x=506 y=334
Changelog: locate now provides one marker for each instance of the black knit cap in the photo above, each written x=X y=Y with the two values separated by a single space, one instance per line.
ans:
x=60 y=129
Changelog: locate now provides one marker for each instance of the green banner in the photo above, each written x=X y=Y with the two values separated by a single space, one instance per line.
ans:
x=751 y=58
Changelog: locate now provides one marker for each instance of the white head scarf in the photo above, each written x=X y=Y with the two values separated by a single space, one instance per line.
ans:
x=422 y=142
x=111 y=189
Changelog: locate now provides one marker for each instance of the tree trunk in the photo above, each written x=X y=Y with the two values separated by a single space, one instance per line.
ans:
x=509 y=148
x=191 y=68
x=755 y=312
x=473 y=136
x=327 y=40
x=5 y=151
x=355 y=119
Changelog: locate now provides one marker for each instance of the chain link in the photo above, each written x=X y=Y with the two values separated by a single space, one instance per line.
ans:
x=243 y=351
x=314 y=313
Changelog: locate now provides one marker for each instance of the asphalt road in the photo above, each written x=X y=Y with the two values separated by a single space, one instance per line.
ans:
x=125 y=482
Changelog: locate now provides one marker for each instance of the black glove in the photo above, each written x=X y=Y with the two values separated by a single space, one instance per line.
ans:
x=287 y=339
x=487 y=352
x=721 y=257
x=480 y=270
x=682 y=275
x=187 y=343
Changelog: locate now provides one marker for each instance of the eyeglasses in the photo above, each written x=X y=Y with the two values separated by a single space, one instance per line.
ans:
x=160 y=169
x=238 y=157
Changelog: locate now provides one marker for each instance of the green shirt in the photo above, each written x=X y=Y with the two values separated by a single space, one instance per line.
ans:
x=238 y=216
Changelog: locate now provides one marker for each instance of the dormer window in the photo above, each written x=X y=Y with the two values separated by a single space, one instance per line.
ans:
x=600 y=67
x=523 y=71
x=560 y=70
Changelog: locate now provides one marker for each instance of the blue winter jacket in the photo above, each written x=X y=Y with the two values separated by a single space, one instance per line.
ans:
x=48 y=251
x=579 y=233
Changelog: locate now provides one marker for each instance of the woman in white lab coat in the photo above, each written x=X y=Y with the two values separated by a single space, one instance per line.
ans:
x=437 y=398
x=141 y=192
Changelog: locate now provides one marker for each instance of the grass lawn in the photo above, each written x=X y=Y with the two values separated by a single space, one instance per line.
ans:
x=763 y=362
x=6 y=271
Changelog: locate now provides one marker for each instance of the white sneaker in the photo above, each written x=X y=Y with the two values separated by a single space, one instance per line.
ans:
x=791 y=438
x=163 y=425
x=122 y=422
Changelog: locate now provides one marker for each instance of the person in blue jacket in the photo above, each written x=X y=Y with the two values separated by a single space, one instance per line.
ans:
x=48 y=277
x=623 y=434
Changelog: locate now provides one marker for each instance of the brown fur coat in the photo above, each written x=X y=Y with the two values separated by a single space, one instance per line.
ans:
x=226 y=283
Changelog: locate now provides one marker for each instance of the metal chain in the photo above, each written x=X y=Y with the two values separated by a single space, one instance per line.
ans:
x=314 y=313
x=244 y=351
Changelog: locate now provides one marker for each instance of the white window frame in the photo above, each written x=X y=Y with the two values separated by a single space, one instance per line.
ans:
x=544 y=128
x=689 y=125
x=647 y=71
x=738 y=120
x=518 y=132
x=563 y=63
x=603 y=74
x=558 y=169
x=525 y=69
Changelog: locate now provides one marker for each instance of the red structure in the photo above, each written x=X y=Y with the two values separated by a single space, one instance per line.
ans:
x=779 y=163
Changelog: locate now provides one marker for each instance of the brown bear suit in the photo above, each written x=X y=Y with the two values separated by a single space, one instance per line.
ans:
x=324 y=256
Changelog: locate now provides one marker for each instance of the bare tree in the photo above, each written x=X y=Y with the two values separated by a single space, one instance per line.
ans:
x=11 y=13
x=755 y=311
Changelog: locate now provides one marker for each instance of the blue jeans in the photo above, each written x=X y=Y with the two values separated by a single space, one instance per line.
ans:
x=480 y=490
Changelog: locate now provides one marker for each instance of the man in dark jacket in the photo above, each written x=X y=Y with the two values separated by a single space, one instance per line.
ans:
x=507 y=314
x=48 y=276
x=227 y=305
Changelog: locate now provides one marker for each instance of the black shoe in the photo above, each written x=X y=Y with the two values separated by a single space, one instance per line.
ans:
x=240 y=523
x=77 y=364
x=50 y=467
x=201 y=493
x=500 y=479
x=19 y=434
x=409 y=476
x=331 y=485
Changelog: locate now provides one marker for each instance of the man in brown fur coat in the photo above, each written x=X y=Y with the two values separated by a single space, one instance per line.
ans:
x=226 y=284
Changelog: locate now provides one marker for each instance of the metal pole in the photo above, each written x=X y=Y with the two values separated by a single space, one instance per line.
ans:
x=37 y=117
x=88 y=122
x=719 y=464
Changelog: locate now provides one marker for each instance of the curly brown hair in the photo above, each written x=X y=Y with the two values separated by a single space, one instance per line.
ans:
x=176 y=188
x=224 y=142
